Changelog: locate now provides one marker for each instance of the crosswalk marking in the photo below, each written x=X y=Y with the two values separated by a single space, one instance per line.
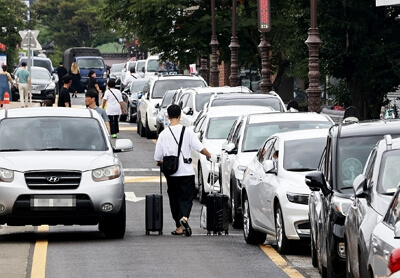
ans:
x=144 y=179
x=141 y=169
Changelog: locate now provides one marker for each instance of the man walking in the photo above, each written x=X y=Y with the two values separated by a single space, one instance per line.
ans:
x=64 y=99
x=23 y=82
x=91 y=100
x=181 y=187
x=61 y=72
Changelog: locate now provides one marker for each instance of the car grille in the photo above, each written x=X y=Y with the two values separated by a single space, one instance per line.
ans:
x=38 y=87
x=53 y=180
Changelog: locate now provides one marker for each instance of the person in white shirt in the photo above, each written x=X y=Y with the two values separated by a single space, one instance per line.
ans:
x=129 y=78
x=114 y=104
x=181 y=187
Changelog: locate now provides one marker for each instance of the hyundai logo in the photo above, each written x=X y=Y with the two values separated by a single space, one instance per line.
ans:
x=53 y=179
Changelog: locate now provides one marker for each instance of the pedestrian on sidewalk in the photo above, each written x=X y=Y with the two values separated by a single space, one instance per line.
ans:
x=181 y=187
x=64 y=100
x=61 y=72
x=114 y=106
x=76 y=86
x=23 y=82
x=5 y=81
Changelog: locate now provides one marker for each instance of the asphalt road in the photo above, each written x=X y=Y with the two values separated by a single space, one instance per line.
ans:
x=76 y=251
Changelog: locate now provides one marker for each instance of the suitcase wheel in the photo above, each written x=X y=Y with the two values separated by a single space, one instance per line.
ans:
x=147 y=233
x=160 y=233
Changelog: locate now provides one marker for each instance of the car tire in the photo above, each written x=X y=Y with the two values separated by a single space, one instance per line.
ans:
x=250 y=235
x=237 y=218
x=149 y=133
x=283 y=244
x=113 y=226
x=314 y=253
x=202 y=194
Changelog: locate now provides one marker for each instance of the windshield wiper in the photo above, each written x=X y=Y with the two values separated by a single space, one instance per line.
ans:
x=300 y=169
x=10 y=150
x=56 y=149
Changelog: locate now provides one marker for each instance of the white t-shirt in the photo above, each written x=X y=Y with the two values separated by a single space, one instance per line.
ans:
x=113 y=107
x=166 y=145
x=131 y=77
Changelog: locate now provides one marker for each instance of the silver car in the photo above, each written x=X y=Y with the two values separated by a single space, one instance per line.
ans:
x=58 y=166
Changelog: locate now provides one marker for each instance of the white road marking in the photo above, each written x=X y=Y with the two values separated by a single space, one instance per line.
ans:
x=130 y=196
x=141 y=169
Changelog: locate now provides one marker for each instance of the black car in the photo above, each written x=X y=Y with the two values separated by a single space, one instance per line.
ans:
x=347 y=149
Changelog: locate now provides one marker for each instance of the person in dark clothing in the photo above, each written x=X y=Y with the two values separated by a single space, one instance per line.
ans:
x=76 y=86
x=64 y=99
x=93 y=84
x=61 y=72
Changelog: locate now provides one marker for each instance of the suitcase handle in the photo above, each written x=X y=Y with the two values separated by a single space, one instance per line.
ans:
x=160 y=182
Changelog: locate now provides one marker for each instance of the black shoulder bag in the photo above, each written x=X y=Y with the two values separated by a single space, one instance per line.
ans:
x=171 y=162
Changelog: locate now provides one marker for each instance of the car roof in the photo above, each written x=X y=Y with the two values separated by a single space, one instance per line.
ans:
x=34 y=57
x=303 y=134
x=236 y=110
x=48 y=112
x=287 y=117
x=218 y=90
x=34 y=68
x=245 y=96
x=376 y=127
x=175 y=76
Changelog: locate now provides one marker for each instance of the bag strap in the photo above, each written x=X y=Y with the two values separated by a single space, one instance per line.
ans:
x=180 y=139
x=113 y=95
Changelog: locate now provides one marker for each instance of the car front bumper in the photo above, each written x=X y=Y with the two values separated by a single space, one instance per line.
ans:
x=295 y=217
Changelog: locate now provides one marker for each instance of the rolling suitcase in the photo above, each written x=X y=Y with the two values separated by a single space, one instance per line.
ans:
x=154 y=212
x=217 y=210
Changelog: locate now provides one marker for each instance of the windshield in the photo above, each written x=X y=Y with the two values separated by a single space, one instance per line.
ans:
x=218 y=128
x=389 y=178
x=140 y=65
x=39 y=63
x=51 y=133
x=40 y=74
x=352 y=155
x=256 y=134
x=202 y=99
x=161 y=86
x=90 y=63
x=270 y=101
x=303 y=154
x=167 y=98
x=152 y=66
x=117 y=68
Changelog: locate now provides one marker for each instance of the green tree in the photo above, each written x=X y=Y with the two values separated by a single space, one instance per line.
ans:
x=12 y=19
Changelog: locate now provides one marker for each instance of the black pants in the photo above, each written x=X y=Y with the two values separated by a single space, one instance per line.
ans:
x=181 y=193
x=114 y=127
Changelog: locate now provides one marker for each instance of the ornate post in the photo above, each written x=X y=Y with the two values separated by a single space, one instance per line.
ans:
x=204 y=72
x=234 y=79
x=264 y=47
x=214 y=45
x=313 y=42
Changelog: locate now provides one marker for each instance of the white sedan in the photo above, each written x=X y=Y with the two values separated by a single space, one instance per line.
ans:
x=274 y=193
x=212 y=129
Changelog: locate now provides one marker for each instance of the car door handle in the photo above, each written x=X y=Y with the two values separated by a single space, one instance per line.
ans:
x=374 y=247
x=386 y=254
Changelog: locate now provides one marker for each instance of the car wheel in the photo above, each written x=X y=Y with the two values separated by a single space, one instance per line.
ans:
x=282 y=241
x=237 y=219
x=250 y=235
x=314 y=254
x=149 y=134
x=113 y=226
x=202 y=194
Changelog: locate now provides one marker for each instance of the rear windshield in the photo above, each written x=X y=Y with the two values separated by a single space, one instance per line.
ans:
x=117 y=67
x=55 y=133
x=40 y=63
x=218 y=128
x=152 y=66
x=202 y=99
x=271 y=101
x=138 y=85
x=161 y=86
x=90 y=63
x=256 y=134
x=303 y=154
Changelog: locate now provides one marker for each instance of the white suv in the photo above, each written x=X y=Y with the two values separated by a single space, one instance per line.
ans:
x=153 y=92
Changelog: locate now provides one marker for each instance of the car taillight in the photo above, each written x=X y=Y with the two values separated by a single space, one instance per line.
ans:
x=394 y=261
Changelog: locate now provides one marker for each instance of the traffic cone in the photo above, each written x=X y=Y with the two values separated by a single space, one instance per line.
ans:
x=6 y=102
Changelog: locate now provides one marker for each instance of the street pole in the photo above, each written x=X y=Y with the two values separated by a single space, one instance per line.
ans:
x=29 y=52
x=313 y=42
x=234 y=79
x=264 y=47
x=214 y=44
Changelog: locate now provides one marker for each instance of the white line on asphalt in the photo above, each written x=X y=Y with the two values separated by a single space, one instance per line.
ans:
x=130 y=196
x=141 y=169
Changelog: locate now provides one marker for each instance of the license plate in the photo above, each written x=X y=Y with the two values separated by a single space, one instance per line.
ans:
x=36 y=92
x=50 y=201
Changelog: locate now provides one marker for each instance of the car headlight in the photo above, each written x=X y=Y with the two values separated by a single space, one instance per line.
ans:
x=106 y=173
x=51 y=86
x=341 y=205
x=298 y=198
x=6 y=175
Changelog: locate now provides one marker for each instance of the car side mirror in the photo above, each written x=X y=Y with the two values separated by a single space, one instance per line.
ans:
x=55 y=77
x=147 y=95
x=187 y=111
x=360 y=186
x=397 y=230
x=143 y=70
x=269 y=167
x=315 y=181
x=157 y=106
x=201 y=136
x=231 y=148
